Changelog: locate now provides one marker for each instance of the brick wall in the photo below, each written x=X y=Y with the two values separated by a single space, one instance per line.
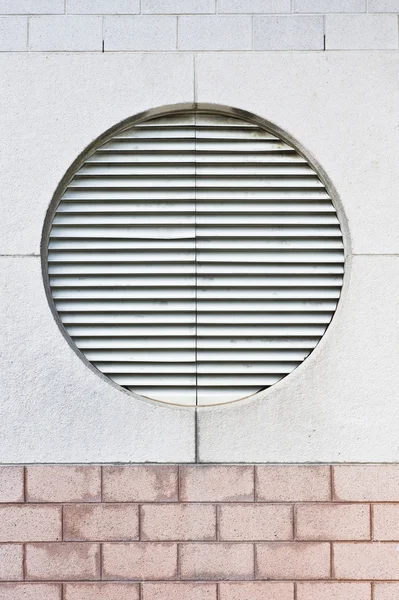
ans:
x=197 y=25
x=199 y=532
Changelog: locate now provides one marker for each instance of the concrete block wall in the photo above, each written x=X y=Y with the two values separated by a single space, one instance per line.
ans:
x=166 y=532
x=341 y=404
x=70 y=69
x=197 y=25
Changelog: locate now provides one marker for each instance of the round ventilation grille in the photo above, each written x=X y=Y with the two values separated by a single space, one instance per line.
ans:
x=195 y=258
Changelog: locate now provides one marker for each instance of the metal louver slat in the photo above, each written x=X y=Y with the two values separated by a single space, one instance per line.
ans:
x=195 y=258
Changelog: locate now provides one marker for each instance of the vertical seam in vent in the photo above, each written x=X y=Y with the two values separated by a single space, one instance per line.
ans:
x=195 y=258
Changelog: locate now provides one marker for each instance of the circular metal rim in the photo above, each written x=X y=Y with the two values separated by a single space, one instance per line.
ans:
x=170 y=109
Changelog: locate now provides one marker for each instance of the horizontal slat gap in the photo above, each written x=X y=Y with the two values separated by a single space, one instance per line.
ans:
x=221 y=318
x=148 y=158
x=233 y=176
x=223 y=282
x=206 y=269
x=181 y=194
x=171 y=356
x=185 y=380
x=199 y=139
x=259 y=367
x=170 y=331
x=203 y=307
x=195 y=153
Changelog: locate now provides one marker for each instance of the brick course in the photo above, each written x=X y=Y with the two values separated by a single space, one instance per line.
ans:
x=11 y=484
x=333 y=522
x=62 y=561
x=63 y=484
x=288 y=33
x=256 y=591
x=293 y=484
x=333 y=591
x=30 y=523
x=179 y=591
x=362 y=32
x=246 y=522
x=197 y=25
x=386 y=522
x=13 y=34
x=30 y=591
x=144 y=560
x=11 y=562
x=297 y=560
x=199 y=532
x=102 y=591
x=178 y=522
x=65 y=33
x=140 y=484
x=101 y=522
x=386 y=591
x=217 y=483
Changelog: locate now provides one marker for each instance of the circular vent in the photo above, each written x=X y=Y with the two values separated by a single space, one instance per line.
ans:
x=195 y=258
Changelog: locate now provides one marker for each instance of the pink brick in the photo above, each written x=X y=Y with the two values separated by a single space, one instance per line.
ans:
x=386 y=522
x=139 y=561
x=63 y=484
x=22 y=523
x=101 y=522
x=179 y=591
x=386 y=591
x=217 y=483
x=368 y=482
x=11 y=484
x=62 y=561
x=333 y=522
x=11 y=557
x=209 y=561
x=246 y=522
x=30 y=591
x=176 y=522
x=363 y=560
x=333 y=591
x=295 y=560
x=293 y=483
x=140 y=484
x=101 y=591
x=256 y=591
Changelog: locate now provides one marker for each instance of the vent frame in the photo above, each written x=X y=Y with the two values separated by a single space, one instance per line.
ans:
x=173 y=110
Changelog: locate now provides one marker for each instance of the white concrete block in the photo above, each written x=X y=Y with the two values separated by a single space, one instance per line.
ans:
x=341 y=404
x=384 y=6
x=140 y=33
x=13 y=34
x=32 y=7
x=178 y=7
x=54 y=408
x=254 y=6
x=52 y=34
x=330 y=6
x=343 y=107
x=103 y=7
x=288 y=33
x=53 y=106
x=215 y=33
x=361 y=32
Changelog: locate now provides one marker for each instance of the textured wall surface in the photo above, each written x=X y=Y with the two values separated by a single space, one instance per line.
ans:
x=199 y=532
x=71 y=69
x=334 y=90
x=341 y=403
x=201 y=25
